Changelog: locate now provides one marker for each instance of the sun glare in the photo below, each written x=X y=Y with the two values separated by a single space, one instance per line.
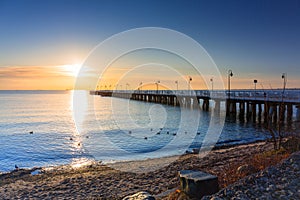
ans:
x=71 y=70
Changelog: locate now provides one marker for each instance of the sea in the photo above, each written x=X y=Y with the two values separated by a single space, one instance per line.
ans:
x=52 y=128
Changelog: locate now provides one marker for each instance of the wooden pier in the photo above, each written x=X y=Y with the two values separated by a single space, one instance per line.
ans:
x=253 y=105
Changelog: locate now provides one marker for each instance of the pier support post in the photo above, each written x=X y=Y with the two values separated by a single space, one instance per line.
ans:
x=289 y=112
x=162 y=100
x=233 y=106
x=266 y=111
x=217 y=105
x=259 y=112
x=242 y=108
x=181 y=101
x=195 y=102
x=248 y=111
x=227 y=107
x=298 y=113
x=281 y=113
x=177 y=101
x=254 y=112
x=274 y=113
x=242 y=111
x=188 y=101
x=230 y=107
x=205 y=105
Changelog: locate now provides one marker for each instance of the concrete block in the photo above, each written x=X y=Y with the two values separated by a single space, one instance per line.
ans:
x=197 y=184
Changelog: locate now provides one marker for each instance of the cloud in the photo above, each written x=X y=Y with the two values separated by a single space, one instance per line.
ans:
x=35 y=77
x=16 y=72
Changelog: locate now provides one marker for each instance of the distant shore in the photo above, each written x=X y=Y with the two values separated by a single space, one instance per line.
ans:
x=97 y=180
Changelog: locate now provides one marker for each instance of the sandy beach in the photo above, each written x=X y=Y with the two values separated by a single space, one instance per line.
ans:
x=98 y=181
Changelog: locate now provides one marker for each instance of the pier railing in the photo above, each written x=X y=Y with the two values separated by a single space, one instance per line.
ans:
x=291 y=96
x=275 y=103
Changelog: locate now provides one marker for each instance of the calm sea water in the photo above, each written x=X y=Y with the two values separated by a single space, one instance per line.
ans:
x=107 y=129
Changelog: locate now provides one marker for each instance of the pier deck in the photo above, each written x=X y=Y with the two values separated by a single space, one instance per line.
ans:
x=276 y=104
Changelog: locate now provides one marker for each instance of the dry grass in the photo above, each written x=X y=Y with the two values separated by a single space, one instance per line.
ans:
x=258 y=162
x=230 y=174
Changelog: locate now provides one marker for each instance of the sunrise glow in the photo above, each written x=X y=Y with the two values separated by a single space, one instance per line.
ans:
x=71 y=70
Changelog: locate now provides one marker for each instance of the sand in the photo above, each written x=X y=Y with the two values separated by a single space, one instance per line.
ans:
x=99 y=181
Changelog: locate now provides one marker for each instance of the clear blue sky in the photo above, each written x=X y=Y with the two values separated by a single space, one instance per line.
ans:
x=253 y=37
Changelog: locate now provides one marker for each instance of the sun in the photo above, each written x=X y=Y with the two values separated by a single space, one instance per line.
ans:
x=71 y=70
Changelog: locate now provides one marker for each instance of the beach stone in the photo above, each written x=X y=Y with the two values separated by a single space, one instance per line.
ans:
x=140 y=196
x=197 y=184
x=246 y=169
x=292 y=144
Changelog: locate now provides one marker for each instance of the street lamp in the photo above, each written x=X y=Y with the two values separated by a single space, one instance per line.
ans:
x=284 y=77
x=127 y=84
x=230 y=74
x=157 y=82
x=189 y=85
x=255 y=81
x=212 y=83
x=141 y=84
x=176 y=82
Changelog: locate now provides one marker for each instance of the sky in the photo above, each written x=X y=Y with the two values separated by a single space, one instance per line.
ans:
x=42 y=43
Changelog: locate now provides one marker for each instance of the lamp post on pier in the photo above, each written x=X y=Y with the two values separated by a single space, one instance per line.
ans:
x=255 y=82
x=189 y=84
x=157 y=82
x=141 y=85
x=230 y=74
x=176 y=82
x=212 y=83
x=284 y=77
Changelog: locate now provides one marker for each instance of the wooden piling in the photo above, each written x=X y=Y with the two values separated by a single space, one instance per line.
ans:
x=259 y=112
x=253 y=105
x=274 y=113
x=289 y=112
